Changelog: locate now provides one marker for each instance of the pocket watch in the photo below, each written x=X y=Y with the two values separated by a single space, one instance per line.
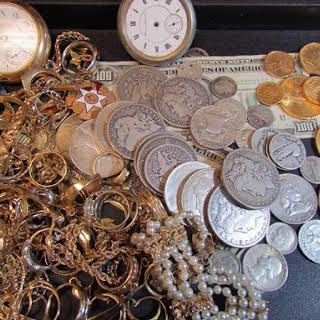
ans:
x=156 y=32
x=24 y=40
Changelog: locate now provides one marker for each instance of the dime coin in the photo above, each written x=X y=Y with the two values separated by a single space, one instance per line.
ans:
x=243 y=138
x=64 y=133
x=130 y=123
x=191 y=70
x=225 y=259
x=279 y=64
x=287 y=151
x=282 y=237
x=139 y=84
x=82 y=148
x=297 y=201
x=175 y=178
x=309 y=56
x=260 y=116
x=260 y=138
x=101 y=123
x=311 y=89
x=223 y=87
x=317 y=140
x=234 y=225
x=162 y=159
x=294 y=103
x=250 y=178
x=308 y=238
x=269 y=93
x=215 y=127
x=196 y=52
x=266 y=267
x=310 y=169
x=195 y=190
x=178 y=98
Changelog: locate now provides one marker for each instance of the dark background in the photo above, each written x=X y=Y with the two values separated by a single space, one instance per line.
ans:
x=224 y=28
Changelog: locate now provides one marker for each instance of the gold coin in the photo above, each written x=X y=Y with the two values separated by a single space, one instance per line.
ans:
x=309 y=57
x=294 y=103
x=317 y=140
x=279 y=64
x=269 y=93
x=311 y=89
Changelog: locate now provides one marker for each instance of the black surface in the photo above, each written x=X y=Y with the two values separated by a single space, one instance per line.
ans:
x=224 y=28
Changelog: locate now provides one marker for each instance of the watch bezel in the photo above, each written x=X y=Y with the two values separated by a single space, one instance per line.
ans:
x=161 y=60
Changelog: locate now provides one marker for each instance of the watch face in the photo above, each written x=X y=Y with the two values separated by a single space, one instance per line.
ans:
x=157 y=30
x=19 y=38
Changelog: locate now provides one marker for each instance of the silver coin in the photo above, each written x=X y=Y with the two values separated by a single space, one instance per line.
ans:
x=234 y=225
x=196 y=52
x=287 y=151
x=175 y=178
x=250 y=178
x=225 y=259
x=139 y=84
x=214 y=127
x=266 y=267
x=190 y=69
x=162 y=159
x=243 y=138
x=310 y=169
x=130 y=123
x=260 y=116
x=195 y=190
x=297 y=201
x=178 y=98
x=224 y=87
x=260 y=137
x=149 y=143
x=282 y=237
x=309 y=240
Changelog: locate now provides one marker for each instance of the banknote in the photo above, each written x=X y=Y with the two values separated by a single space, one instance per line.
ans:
x=248 y=73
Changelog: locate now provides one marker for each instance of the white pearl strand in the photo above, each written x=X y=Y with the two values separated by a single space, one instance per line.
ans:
x=248 y=303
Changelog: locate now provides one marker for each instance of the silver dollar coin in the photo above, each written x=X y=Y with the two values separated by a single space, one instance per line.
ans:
x=226 y=259
x=130 y=123
x=223 y=87
x=250 y=178
x=174 y=180
x=297 y=201
x=282 y=237
x=287 y=151
x=310 y=169
x=260 y=116
x=177 y=98
x=195 y=190
x=234 y=225
x=260 y=138
x=162 y=159
x=243 y=138
x=139 y=84
x=266 y=267
x=309 y=240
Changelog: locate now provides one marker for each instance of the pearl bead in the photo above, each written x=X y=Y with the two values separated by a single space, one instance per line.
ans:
x=187 y=254
x=196 y=316
x=205 y=314
x=185 y=285
x=212 y=269
x=262 y=304
x=220 y=270
x=178 y=257
x=237 y=284
x=214 y=309
x=210 y=291
x=157 y=257
x=243 y=303
x=167 y=273
x=236 y=318
x=222 y=315
x=202 y=286
x=183 y=265
x=201 y=277
x=253 y=304
x=156 y=224
x=135 y=238
x=232 y=300
x=183 y=275
x=242 y=313
x=193 y=260
x=179 y=295
x=182 y=246
x=167 y=264
x=173 y=289
x=165 y=255
x=174 y=250
x=222 y=280
x=198 y=268
x=217 y=289
x=150 y=231
x=188 y=293
x=142 y=236
x=214 y=318
x=201 y=245
x=232 y=311
x=242 y=292
x=226 y=291
x=251 y=315
x=213 y=279
x=263 y=316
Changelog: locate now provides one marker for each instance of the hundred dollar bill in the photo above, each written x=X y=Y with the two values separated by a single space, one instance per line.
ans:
x=248 y=73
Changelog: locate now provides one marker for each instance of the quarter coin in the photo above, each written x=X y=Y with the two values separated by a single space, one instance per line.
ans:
x=234 y=225
x=178 y=98
x=309 y=238
x=130 y=123
x=260 y=116
x=282 y=237
x=224 y=87
x=279 y=64
x=266 y=267
x=250 y=178
x=225 y=259
x=297 y=201
x=310 y=169
x=287 y=151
